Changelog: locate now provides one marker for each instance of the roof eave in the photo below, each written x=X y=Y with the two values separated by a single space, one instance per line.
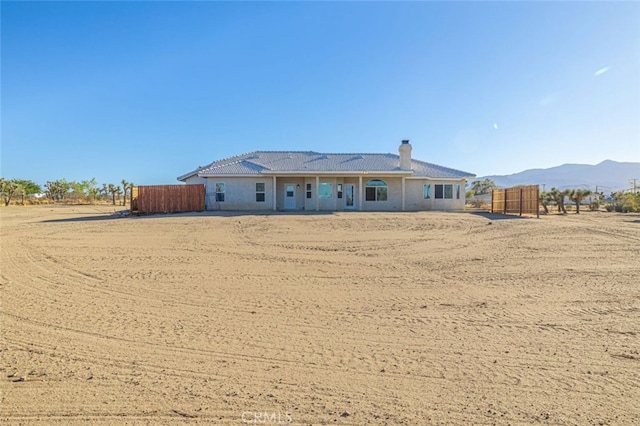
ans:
x=220 y=175
x=407 y=174
x=452 y=178
x=187 y=176
x=340 y=173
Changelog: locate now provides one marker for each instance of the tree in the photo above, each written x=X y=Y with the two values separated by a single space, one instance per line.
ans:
x=27 y=187
x=558 y=197
x=127 y=187
x=118 y=191
x=77 y=190
x=90 y=189
x=624 y=202
x=483 y=187
x=577 y=195
x=545 y=199
x=86 y=189
x=9 y=188
x=631 y=202
x=113 y=190
x=105 y=190
x=58 y=189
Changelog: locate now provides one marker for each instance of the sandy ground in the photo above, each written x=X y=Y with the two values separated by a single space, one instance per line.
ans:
x=348 y=318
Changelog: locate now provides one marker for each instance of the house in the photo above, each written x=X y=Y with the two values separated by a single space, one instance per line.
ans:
x=313 y=181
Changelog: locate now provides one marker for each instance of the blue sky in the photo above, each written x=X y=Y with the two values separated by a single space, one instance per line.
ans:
x=147 y=91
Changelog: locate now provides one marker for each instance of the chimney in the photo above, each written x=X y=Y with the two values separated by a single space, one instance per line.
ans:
x=405 y=155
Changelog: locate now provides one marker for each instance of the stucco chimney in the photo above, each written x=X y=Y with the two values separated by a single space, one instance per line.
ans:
x=405 y=155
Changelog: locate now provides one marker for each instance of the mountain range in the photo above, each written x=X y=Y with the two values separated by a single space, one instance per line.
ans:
x=607 y=176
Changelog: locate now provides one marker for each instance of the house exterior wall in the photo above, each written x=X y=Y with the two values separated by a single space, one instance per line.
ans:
x=240 y=193
x=333 y=203
x=414 y=195
x=195 y=179
x=394 y=194
x=298 y=184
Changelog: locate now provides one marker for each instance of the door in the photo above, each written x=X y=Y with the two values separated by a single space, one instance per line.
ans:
x=349 y=196
x=289 y=196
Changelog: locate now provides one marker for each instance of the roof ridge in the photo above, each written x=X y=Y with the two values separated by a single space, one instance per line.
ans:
x=320 y=153
x=234 y=156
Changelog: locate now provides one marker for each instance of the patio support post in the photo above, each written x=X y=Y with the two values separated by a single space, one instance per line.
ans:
x=403 y=187
x=317 y=193
x=275 y=192
x=360 y=192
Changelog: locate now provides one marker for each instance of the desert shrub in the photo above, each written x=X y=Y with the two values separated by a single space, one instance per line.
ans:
x=631 y=203
x=626 y=202
x=478 y=203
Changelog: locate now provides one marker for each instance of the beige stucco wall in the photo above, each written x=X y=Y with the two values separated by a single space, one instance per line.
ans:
x=414 y=196
x=324 y=204
x=394 y=194
x=195 y=179
x=240 y=193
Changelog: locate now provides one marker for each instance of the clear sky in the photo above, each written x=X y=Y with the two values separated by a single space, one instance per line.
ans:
x=147 y=91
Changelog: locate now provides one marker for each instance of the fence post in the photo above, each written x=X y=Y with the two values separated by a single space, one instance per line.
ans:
x=505 y=193
x=520 y=201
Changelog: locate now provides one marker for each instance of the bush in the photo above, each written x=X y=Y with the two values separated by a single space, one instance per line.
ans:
x=479 y=203
x=625 y=203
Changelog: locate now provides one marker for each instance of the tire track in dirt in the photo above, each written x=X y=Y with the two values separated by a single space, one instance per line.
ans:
x=394 y=318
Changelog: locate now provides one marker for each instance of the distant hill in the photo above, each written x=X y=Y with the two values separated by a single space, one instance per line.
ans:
x=607 y=176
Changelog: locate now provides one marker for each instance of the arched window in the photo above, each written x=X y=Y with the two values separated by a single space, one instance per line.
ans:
x=376 y=190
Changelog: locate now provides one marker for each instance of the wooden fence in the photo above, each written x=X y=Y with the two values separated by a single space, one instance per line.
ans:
x=167 y=198
x=517 y=200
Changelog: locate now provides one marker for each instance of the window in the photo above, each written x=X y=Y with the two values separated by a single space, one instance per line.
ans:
x=444 y=191
x=448 y=191
x=260 y=192
x=439 y=191
x=457 y=191
x=339 y=190
x=325 y=190
x=376 y=190
x=220 y=192
x=308 y=190
x=427 y=191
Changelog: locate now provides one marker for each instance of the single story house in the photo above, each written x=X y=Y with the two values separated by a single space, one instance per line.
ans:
x=313 y=181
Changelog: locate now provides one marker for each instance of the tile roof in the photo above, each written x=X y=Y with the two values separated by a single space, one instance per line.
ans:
x=270 y=162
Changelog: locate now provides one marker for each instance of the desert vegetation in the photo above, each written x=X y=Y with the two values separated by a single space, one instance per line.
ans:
x=621 y=202
x=478 y=192
x=23 y=192
x=562 y=201
x=624 y=202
